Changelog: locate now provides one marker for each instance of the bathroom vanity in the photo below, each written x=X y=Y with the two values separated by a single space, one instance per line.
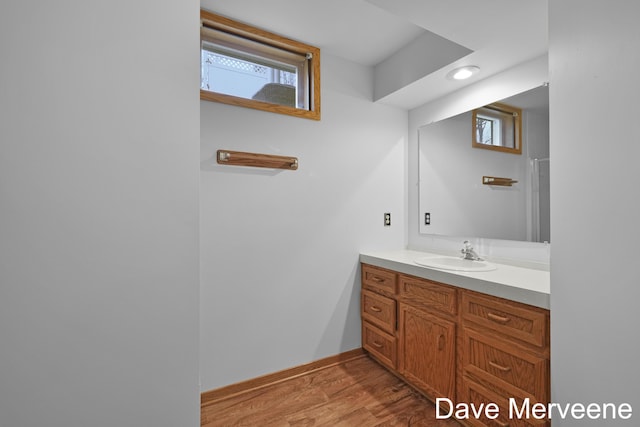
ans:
x=470 y=337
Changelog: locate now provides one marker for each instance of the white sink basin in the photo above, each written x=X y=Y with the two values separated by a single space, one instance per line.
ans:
x=455 y=264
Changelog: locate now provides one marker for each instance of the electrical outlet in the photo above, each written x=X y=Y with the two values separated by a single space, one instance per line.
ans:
x=427 y=218
x=387 y=219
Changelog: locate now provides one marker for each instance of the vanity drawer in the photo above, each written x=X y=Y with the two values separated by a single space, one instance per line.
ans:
x=514 y=320
x=475 y=393
x=427 y=294
x=379 y=310
x=379 y=344
x=378 y=280
x=498 y=362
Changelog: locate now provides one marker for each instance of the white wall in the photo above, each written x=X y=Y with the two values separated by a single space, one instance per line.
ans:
x=409 y=64
x=519 y=79
x=595 y=349
x=279 y=249
x=99 y=214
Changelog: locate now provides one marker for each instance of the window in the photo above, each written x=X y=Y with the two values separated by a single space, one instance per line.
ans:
x=249 y=67
x=498 y=127
x=488 y=130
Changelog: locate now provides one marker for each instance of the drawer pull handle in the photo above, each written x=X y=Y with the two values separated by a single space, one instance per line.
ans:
x=376 y=308
x=441 y=342
x=497 y=318
x=502 y=424
x=499 y=367
x=377 y=344
x=377 y=279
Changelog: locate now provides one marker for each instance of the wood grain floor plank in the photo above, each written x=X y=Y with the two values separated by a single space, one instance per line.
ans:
x=356 y=393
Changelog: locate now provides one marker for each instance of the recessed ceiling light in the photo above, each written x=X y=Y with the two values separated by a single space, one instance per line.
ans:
x=463 y=73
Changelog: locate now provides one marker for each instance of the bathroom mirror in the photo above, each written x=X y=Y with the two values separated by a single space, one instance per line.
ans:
x=455 y=199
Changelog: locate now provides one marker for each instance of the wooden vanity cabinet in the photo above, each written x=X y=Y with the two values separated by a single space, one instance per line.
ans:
x=451 y=342
x=410 y=325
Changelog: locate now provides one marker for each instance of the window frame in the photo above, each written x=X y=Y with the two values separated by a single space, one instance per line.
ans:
x=221 y=23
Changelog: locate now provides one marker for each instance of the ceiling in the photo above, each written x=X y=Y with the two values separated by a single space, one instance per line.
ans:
x=499 y=33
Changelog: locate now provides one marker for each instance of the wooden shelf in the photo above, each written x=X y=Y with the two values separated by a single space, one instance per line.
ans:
x=239 y=158
x=494 y=180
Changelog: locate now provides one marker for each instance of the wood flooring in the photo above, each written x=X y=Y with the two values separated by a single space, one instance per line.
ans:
x=357 y=393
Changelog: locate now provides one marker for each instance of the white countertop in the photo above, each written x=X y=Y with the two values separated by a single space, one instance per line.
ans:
x=525 y=285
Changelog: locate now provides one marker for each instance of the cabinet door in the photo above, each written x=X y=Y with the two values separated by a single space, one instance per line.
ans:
x=427 y=351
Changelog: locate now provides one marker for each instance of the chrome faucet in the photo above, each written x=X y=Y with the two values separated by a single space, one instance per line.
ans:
x=469 y=253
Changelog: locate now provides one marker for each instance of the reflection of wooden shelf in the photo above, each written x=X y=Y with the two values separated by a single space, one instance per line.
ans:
x=239 y=158
x=494 y=180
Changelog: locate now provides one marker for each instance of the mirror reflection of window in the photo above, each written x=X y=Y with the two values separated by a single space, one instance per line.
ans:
x=498 y=127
